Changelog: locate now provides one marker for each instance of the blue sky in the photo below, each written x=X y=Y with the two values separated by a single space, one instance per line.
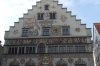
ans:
x=11 y=10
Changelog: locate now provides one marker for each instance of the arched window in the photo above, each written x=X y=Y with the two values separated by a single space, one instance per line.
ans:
x=41 y=48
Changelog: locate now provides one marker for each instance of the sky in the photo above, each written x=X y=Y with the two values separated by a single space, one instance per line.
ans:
x=11 y=10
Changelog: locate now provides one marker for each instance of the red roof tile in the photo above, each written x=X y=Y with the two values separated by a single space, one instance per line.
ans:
x=97 y=26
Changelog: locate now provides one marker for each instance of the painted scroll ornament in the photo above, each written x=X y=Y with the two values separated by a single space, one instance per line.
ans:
x=77 y=29
x=63 y=18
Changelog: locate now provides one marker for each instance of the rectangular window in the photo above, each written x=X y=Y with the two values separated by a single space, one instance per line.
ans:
x=83 y=49
x=80 y=49
x=76 y=49
x=9 y=50
x=46 y=7
x=40 y=16
x=15 y=50
x=12 y=50
x=30 y=50
x=70 y=49
x=46 y=32
x=33 y=49
x=52 y=49
x=27 y=50
x=20 y=50
x=65 y=31
x=52 y=15
x=62 y=49
x=25 y=32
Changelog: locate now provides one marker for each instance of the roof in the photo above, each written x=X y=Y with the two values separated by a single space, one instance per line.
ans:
x=97 y=26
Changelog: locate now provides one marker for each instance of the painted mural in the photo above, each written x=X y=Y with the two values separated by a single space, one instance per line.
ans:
x=50 y=56
x=33 y=26
x=47 y=41
x=56 y=30
x=61 y=62
x=14 y=62
x=80 y=61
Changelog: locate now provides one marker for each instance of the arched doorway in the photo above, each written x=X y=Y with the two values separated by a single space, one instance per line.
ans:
x=41 y=48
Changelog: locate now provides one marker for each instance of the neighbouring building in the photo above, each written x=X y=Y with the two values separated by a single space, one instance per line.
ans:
x=1 y=50
x=48 y=35
x=96 y=44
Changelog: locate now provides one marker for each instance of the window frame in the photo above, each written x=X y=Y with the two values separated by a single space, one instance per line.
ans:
x=52 y=15
x=47 y=33
x=40 y=16
x=67 y=30
x=46 y=7
x=26 y=33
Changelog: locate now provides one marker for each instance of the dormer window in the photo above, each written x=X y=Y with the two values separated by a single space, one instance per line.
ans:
x=40 y=16
x=46 y=7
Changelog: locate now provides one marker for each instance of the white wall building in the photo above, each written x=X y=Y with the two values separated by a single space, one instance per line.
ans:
x=96 y=40
x=48 y=35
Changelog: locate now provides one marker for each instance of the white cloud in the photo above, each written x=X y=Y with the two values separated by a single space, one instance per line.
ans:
x=94 y=2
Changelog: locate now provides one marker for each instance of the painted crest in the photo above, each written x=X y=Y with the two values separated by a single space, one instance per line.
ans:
x=70 y=60
x=63 y=18
x=15 y=31
x=77 y=29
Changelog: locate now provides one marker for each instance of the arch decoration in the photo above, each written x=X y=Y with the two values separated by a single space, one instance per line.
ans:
x=61 y=62
x=80 y=62
x=30 y=62
x=14 y=63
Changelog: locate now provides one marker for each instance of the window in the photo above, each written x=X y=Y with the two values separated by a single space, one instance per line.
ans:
x=52 y=49
x=41 y=48
x=65 y=31
x=46 y=31
x=15 y=50
x=25 y=32
x=52 y=15
x=21 y=50
x=30 y=50
x=9 y=50
x=62 y=49
x=46 y=7
x=40 y=16
x=70 y=49
x=80 y=49
x=76 y=48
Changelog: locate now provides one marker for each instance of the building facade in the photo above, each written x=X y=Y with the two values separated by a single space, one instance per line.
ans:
x=48 y=35
x=96 y=46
